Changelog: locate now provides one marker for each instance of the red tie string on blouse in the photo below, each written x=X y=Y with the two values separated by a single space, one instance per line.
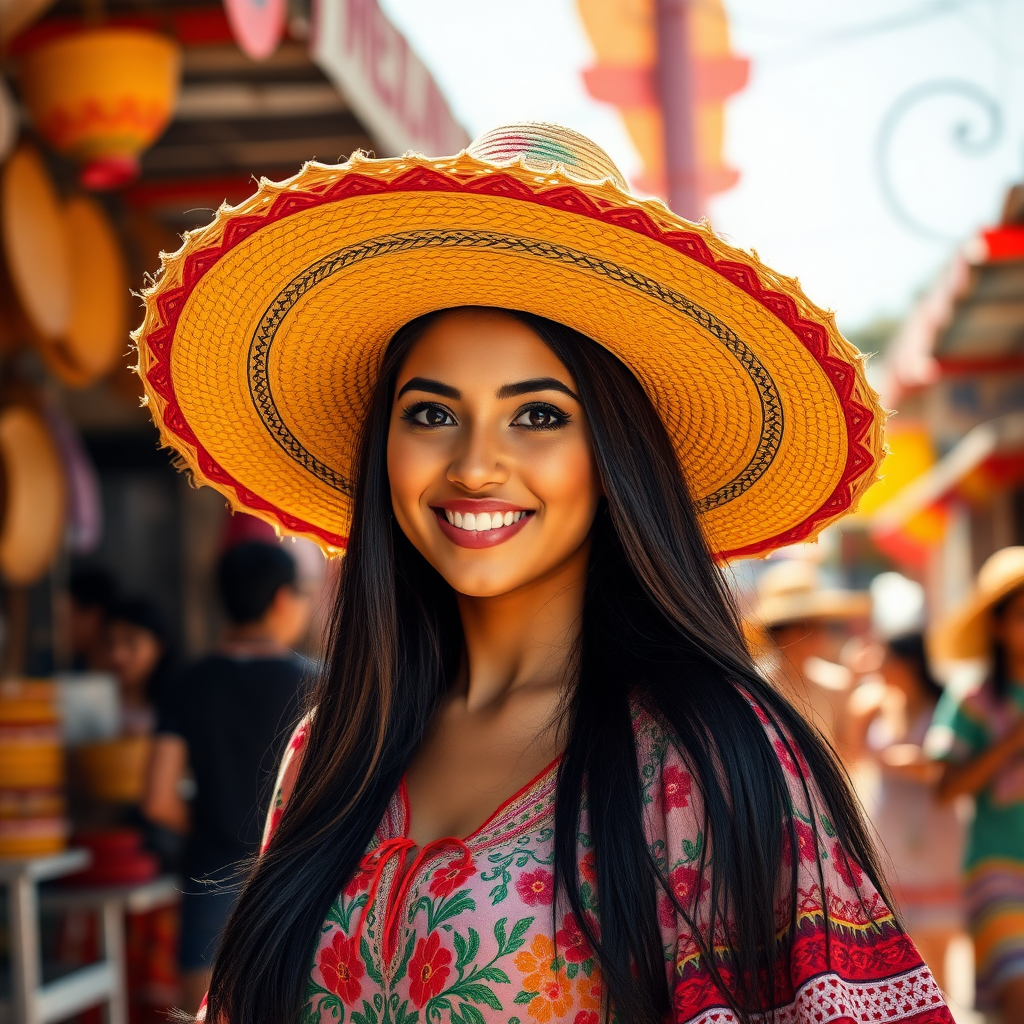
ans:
x=376 y=861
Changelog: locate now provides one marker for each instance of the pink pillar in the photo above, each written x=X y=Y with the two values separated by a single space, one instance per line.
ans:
x=676 y=92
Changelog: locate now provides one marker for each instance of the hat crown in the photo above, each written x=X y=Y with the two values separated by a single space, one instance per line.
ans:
x=543 y=147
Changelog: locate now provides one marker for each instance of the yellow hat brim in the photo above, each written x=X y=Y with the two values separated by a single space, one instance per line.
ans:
x=263 y=336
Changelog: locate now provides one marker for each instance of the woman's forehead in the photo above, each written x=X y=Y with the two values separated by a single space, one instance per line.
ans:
x=481 y=347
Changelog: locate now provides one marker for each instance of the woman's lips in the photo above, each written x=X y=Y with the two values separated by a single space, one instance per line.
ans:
x=479 y=538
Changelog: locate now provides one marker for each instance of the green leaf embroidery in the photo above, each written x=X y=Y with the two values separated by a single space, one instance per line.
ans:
x=371 y=967
x=525 y=997
x=471 y=1014
x=515 y=940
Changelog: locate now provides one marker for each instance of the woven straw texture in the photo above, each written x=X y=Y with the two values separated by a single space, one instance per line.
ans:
x=263 y=335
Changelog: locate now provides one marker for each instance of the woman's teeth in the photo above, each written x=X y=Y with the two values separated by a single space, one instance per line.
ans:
x=482 y=520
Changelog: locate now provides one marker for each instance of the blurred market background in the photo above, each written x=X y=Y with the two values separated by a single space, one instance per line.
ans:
x=875 y=148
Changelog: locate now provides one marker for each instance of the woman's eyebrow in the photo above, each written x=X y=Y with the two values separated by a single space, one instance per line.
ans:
x=433 y=387
x=524 y=387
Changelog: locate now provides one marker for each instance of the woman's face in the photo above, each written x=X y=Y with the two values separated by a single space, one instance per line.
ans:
x=134 y=654
x=490 y=460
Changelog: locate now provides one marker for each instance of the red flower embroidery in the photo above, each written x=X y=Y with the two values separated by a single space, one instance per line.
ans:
x=675 y=787
x=444 y=881
x=358 y=883
x=798 y=767
x=666 y=911
x=429 y=968
x=806 y=844
x=687 y=885
x=341 y=968
x=586 y=1017
x=536 y=887
x=848 y=870
x=588 y=868
x=571 y=941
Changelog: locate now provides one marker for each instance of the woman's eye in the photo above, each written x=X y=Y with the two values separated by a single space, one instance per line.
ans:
x=427 y=415
x=541 y=417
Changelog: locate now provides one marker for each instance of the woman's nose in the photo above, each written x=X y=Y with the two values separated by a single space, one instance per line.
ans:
x=478 y=461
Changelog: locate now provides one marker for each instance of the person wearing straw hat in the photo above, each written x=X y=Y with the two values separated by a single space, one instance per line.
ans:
x=540 y=779
x=979 y=738
x=806 y=624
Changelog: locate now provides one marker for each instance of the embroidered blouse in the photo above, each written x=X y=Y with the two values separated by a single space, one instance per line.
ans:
x=463 y=931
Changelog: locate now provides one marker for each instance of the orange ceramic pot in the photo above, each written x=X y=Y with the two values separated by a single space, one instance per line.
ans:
x=101 y=97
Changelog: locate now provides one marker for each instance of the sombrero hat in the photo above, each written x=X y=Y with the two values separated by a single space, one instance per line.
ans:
x=792 y=591
x=967 y=632
x=34 y=496
x=263 y=336
x=95 y=336
x=35 y=242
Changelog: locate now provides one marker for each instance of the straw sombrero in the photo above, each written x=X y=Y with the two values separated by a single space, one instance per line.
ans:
x=967 y=633
x=34 y=498
x=95 y=336
x=263 y=336
x=35 y=242
x=792 y=591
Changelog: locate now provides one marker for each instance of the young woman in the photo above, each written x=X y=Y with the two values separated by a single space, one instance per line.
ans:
x=540 y=779
x=979 y=737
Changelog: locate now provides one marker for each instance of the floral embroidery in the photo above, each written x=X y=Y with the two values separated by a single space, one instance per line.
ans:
x=806 y=843
x=590 y=991
x=687 y=885
x=798 y=768
x=447 y=879
x=546 y=990
x=588 y=869
x=341 y=968
x=675 y=787
x=848 y=870
x=536 y=887
x=571 y=942
x=449 y=958
x=428 y=969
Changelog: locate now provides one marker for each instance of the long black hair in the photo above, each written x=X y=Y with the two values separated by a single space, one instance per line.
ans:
x=658 y=631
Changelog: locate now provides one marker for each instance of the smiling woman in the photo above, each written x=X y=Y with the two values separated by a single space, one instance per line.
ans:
x=540 y=777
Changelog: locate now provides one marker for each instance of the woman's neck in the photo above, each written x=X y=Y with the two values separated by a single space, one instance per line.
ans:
x=522 y=639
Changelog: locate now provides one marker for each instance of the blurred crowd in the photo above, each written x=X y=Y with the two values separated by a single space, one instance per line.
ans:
x=197 y=747
x=928 y=719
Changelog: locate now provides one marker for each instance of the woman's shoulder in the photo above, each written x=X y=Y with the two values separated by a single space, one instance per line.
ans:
x=291 y=761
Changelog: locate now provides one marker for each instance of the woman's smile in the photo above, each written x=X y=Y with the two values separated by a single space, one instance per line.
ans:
x=479 y=524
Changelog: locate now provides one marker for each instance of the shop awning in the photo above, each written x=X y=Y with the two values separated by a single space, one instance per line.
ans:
x=994 y=449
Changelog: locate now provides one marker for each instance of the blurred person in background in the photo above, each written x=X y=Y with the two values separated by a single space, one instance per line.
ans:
x=92 y=592
x=799 y=628
x=223 y=724
x=978 y=737
x=922 y=839
x=139 y=655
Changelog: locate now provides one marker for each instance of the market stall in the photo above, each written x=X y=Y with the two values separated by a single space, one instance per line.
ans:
x=122 y=125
